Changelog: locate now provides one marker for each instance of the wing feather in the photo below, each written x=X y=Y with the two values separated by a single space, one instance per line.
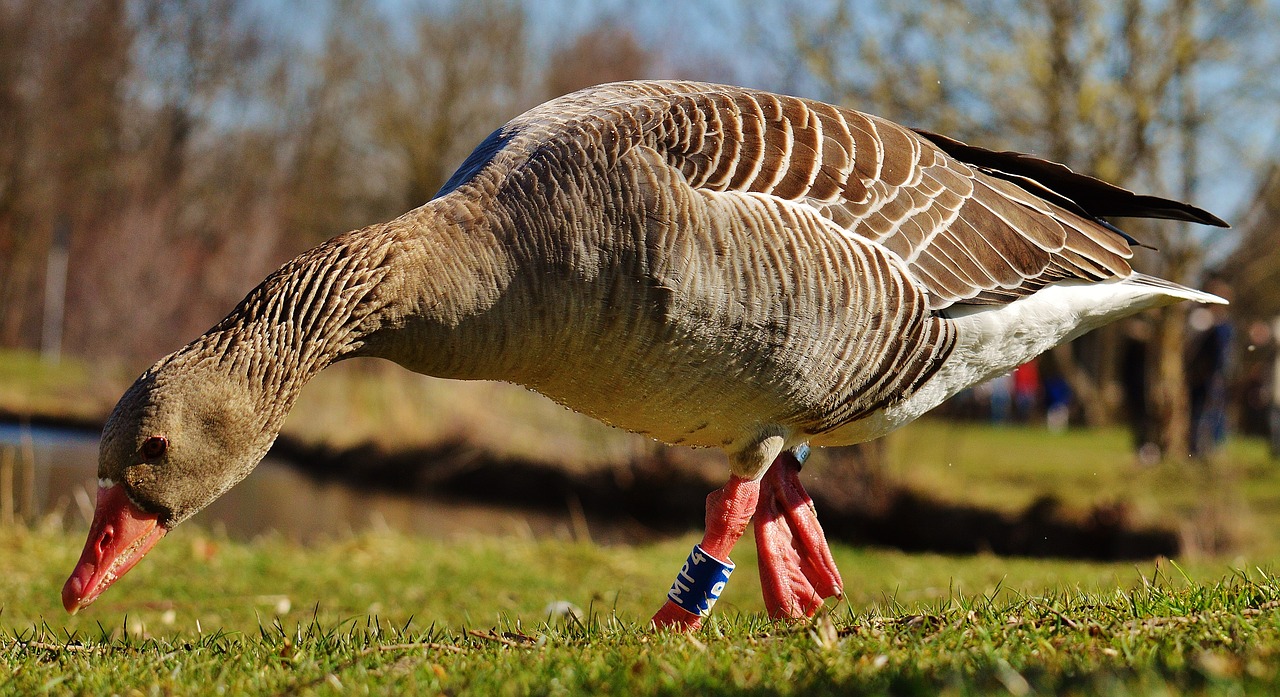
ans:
x=966 y=235
x=971 y=225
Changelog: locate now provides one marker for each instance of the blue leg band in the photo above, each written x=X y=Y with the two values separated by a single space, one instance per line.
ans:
x=700 y=582
x=801 y=452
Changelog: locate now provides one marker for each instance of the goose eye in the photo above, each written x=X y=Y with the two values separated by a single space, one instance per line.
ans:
x=154 y=447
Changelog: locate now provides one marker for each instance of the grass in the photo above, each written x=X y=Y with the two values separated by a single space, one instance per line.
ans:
x=387 y=613
x=1230 y=505
x=1015 y=464
x=1197 y=640
x=361 y=401
x=68 y=388
x=351 y=403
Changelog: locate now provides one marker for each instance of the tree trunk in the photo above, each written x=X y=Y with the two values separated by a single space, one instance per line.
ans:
x=1169 y=389
x=1109 y=386
x=1085 y=389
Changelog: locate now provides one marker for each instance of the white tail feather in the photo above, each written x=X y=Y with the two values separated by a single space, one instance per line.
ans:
x=1175 y=290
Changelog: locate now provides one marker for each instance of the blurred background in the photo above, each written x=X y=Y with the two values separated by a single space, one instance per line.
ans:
x=158 y=158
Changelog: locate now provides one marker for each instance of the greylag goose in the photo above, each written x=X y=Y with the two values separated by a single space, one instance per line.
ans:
x=708 y=265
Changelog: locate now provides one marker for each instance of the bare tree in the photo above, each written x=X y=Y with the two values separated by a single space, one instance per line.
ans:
x=62 y=68
x=173 y=243
x=18 y=27
x=330 y=178
x=461 y=77
x=188 y=156
x=1111 y=89
x=606 y=53
x=390 y=105
x=115 y=114
x=1256 y=262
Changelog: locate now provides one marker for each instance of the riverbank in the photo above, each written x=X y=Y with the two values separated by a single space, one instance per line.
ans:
x=351 y=403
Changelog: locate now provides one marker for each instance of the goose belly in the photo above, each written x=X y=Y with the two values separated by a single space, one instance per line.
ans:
x=696 y=394
x=720 y=375
x=678 y=407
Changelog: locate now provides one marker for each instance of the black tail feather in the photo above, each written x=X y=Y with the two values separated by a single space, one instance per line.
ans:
x=1076 y=192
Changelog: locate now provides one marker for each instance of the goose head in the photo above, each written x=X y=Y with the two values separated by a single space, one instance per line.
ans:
x=179 y=437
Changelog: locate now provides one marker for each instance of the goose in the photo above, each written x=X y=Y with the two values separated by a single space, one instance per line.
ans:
x=709 y=265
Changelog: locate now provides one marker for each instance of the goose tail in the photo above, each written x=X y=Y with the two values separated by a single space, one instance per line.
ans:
x=1176 y=290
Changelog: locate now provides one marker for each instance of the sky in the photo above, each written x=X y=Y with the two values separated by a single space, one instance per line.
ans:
x=693 y=33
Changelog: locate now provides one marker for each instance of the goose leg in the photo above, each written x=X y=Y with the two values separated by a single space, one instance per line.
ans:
x=729 y=510
x=796 y=568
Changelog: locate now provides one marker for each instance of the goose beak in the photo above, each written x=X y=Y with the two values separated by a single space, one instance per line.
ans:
x=121 y=534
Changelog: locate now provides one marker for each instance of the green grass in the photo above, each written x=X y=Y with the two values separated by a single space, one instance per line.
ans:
x=1013 y=464
x=1226 y=507
x=361 y=401
x=388 y=613
x=1229 y=506
x=69 y=388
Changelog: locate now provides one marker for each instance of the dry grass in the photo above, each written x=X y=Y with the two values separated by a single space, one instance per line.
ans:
x=68 y=389
x=376 y=401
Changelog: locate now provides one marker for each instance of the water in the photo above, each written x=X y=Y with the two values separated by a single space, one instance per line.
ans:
x=274 y=499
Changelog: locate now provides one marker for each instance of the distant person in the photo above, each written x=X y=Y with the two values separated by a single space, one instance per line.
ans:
x=1273 y=412
x=1001 y=398
x=1057 y=403
x=1207 y=371
x=1133 y=379
x=1026 y=391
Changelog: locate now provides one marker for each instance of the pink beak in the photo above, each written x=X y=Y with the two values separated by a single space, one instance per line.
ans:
x=121 y=534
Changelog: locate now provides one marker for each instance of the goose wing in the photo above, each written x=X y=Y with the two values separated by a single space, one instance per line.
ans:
x=972 y=225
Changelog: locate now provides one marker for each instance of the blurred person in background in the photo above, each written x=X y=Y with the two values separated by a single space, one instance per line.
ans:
x=1273 y=391
x=1208 y=366
x=1026 y=390
x=1133 y=379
